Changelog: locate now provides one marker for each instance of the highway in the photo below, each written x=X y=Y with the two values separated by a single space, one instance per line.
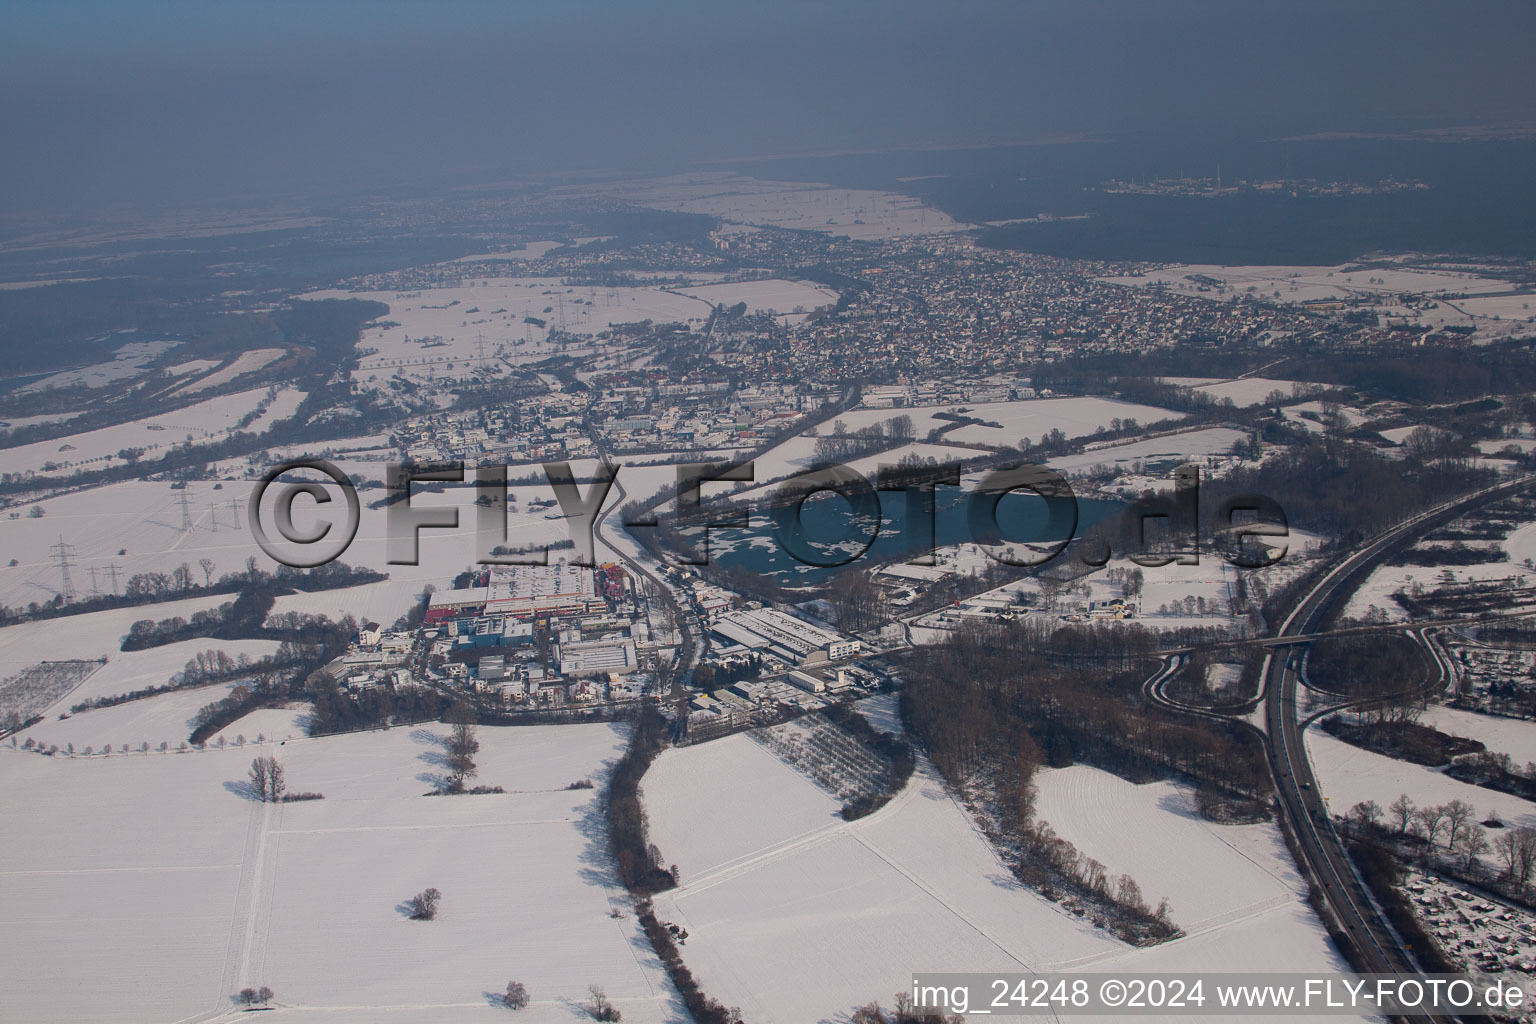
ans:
x=1296 y=789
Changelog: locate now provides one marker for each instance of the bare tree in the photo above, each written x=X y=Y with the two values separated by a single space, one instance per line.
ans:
x=1516 y=847
x=1402 y=813
x=263 y=995
x=259 y=778
x=462 y=748
x=600 y=1008
x=246 y=997
x=1457 y=814
x=1430 y=821
x=1128 y=894
x=423 y=905
x=1525 y=855
x=517 y=995
x=1366 y=815
x=1472 y=845
x=267 y=779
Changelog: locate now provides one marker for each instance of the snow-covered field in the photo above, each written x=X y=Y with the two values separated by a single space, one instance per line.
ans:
x=1247 y=390
x=857 y=213
x=772 y=296
x=142 y=520
x=797 y=916
x=1303 y=284
x=1501 y=735
x=97 y=635
x=164 y=718
x=156 y=875
x=688 y=788
x=799 y=453
x=454 y=322
x=1075 y=417
x=203 y=422
x=129 y=360
x=1191 y=444
x=1494 y=309
x=246 y=362
x=1245 y=870
x=1378 y=588
x=1346 y=774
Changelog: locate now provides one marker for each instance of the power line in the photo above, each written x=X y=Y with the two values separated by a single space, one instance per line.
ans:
x=112 y=570
x=186 y=509
x=63 y=556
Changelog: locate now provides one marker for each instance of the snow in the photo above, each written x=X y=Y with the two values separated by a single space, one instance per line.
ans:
x=796 y=915
x=1302 y=284
x=1244 y=869
x=774 y=295
x=163 y=718
x=819 y=923
x=1501 y=735
x=98 y=635
x=855 y=213
x=1186 y=445
x=797 y=455
x=1246 y=391
x=1075 y=417
x=527 y=251
x=500 y=305
x=1521 y=544
x=128 y=361
x=883 y=712
x=206 y=421
x=159 y=877
x=687 y=788
x=127 y=871
x=1346 y=774
x=144 y=520
x=1379 y=587
x=246 y=362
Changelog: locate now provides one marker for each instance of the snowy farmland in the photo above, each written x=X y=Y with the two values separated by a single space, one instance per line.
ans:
x=1304 y=284
x=137 y=527
x=160 y=872
x=204 y=422
x=796 y=915
x=1346 y=774
x=1513 y=736
x=246 y=362
x=776 y=296
x=807 y=206
x=1193 y=444
x=440 y=333
x=1075 y=417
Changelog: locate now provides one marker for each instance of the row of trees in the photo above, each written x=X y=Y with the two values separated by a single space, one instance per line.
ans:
x=664 y=939
x=1464 y=838
x=842 y=445
x=639 y=862
x=246 y=618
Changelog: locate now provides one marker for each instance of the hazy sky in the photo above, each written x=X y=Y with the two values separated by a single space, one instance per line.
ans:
x=102 y=102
